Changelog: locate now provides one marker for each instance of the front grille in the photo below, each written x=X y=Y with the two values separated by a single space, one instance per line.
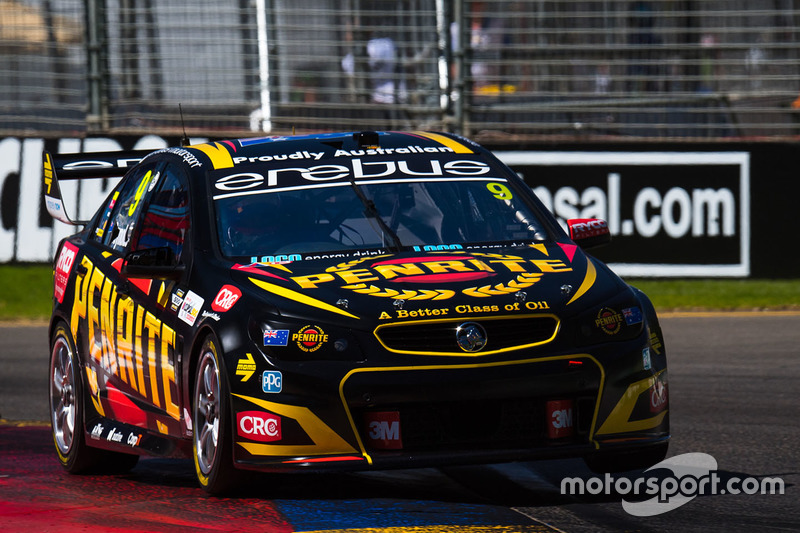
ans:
x=496 y=424
x=479 y=425
x=439 y=337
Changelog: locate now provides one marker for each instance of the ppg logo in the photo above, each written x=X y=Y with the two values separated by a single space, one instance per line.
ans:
x=271 y=381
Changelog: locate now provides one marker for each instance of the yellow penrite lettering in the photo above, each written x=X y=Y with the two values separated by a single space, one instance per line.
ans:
x=480 y=265
x=124 y=339
x=107 y=301
x=440 y=267
x=310 y=337
x=94 y=334
x=311 y=282
x=138 y=356
x=153 y=327
x=125 y=314
x=81 y=295
x=551 y=265
x=358 y=275
x=168 y=371
x=391 y=271
x=513 y=265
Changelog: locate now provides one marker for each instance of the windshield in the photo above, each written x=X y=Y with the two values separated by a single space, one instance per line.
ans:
x=260 y=217
x=416 y=213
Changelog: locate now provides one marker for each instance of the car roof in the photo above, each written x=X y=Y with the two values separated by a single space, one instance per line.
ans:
x=240 y=152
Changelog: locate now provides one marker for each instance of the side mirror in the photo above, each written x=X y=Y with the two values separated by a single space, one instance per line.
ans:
x=589 y=232
x=152 y=263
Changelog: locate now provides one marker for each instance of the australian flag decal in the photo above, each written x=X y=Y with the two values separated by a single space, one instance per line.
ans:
x=276 y=337
x=633 y=315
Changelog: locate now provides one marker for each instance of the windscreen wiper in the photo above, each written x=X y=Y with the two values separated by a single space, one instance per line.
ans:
x=372 y=212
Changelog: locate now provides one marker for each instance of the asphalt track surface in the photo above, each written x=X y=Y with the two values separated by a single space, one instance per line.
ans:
x=734 y=395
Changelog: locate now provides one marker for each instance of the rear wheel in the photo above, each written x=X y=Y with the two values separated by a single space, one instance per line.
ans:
x=212 y=441
x=67 y=416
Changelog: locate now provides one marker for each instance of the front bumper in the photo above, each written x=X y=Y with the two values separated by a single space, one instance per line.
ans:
x=347 y=416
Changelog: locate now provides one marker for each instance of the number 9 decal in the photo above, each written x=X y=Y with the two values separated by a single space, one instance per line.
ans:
x=140 y=192
x=499 y=191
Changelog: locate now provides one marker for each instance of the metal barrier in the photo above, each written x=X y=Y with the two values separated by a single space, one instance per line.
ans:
x=524 y=69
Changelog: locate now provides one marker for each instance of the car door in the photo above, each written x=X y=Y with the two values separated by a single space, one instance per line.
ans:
x=164 y=229
x=131 y=370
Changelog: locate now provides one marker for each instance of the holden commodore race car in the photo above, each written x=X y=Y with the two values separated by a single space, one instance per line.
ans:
x=347 y=301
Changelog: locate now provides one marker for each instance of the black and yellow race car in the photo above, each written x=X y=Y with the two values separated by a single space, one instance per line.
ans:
x=350 y=301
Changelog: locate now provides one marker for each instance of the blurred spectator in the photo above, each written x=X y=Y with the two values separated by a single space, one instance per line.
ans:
x=643 y=69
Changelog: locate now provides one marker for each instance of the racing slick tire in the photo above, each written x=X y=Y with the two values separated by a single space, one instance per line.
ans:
x=643 y=458
x=67 y=413
x=212 y=440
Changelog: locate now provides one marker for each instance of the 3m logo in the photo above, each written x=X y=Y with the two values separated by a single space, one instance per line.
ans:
x=226 y=297
x=383 y=430
x=559 y=419
x=258 y=426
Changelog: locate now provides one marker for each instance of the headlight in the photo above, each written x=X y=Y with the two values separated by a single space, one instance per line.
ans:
x=618 y=319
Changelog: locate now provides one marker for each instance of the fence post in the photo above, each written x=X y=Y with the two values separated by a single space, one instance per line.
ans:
x=460 y=90
x=97 y=115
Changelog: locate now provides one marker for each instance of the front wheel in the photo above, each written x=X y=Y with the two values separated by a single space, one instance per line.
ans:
x=212 y=441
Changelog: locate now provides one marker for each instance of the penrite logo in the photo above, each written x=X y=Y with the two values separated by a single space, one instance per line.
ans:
x=609 y=321
x=310 y=338
x=364 y=274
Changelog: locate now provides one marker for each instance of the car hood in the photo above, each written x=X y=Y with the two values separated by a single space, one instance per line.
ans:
x=362 y=289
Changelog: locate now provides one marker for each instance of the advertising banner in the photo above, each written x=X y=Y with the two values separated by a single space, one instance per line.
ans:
x=683 y=210
x=669 y=213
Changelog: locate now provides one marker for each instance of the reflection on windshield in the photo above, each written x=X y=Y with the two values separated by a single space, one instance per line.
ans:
x=331 y=217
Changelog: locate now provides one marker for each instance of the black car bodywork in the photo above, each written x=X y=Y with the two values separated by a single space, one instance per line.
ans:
x=178 y=329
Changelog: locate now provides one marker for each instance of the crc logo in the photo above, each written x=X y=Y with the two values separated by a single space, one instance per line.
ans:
x=658 y=396
x=258 y=426
x=471 y=337
x=226 y=297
